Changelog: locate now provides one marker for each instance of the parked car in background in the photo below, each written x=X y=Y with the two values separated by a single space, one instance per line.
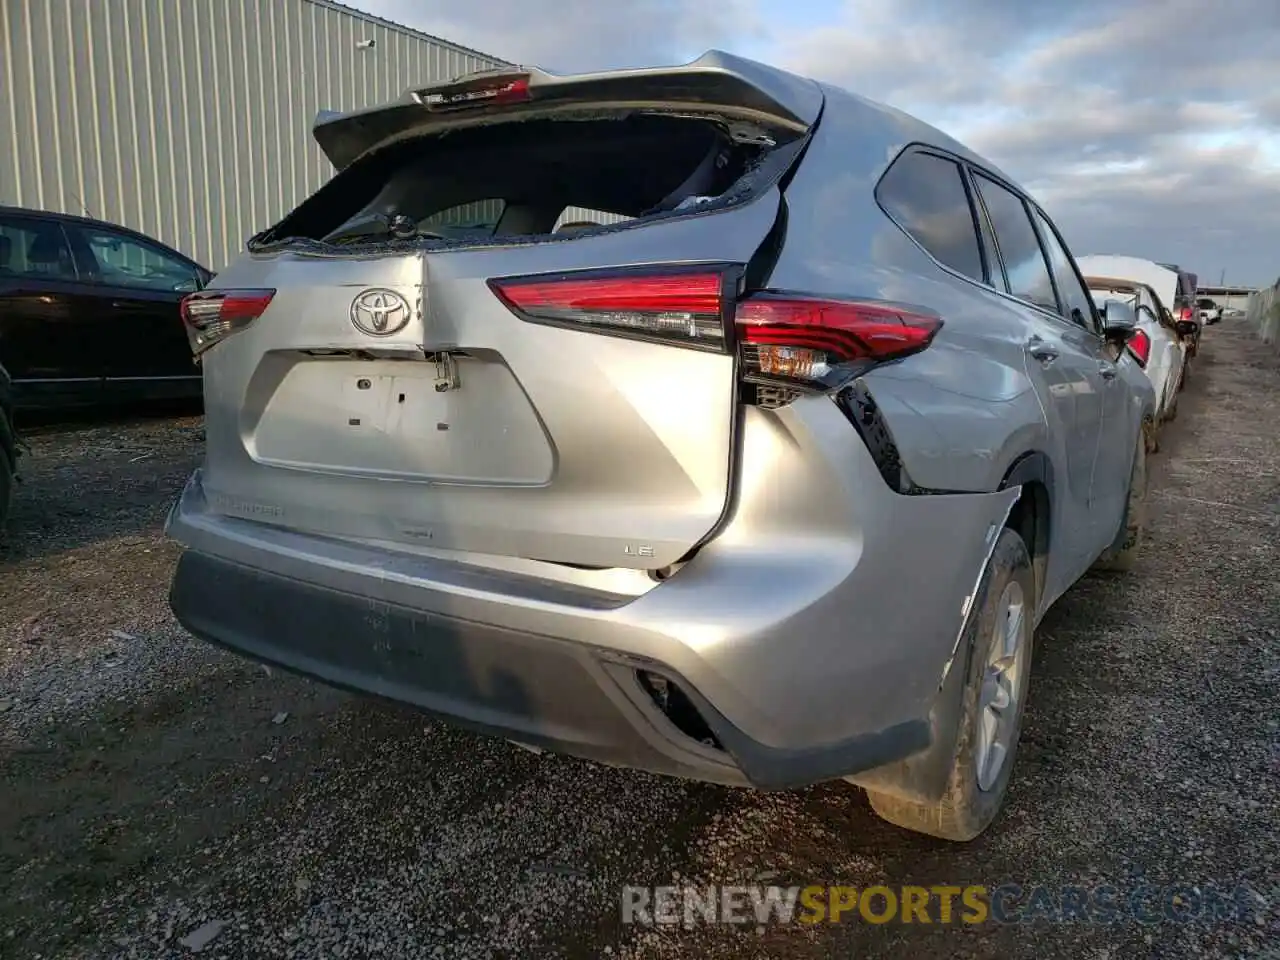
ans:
x=1183 y=300
x=661 y=492
x=89 y=312
x=1168 y=285
x=1156 y=344
x=1210 y=312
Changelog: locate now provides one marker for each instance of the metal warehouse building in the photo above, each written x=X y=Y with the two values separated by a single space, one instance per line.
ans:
x=190 y=120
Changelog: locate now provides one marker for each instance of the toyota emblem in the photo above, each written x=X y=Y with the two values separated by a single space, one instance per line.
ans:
x=380 y=313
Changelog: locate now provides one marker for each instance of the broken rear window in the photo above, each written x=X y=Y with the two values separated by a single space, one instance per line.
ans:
x=526 y=179
x=465 y=221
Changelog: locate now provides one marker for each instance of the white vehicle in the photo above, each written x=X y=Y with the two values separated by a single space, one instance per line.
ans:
x=1156 y=346
x=1210 y=312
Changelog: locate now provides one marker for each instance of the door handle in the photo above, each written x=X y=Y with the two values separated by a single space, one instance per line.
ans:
x=1046 y=353
x=1107 y=369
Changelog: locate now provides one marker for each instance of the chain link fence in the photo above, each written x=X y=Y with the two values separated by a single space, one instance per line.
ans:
x=1263 y=313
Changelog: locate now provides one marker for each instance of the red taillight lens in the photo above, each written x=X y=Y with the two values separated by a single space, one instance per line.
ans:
x=477 y=92
x=789 y=341
x=813 y=341
x=1140 y=346
x=684 y=307
x=1187 y=313
x=212 y=315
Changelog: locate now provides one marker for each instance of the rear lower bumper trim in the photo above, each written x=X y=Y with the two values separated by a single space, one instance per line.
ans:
x=560 y=695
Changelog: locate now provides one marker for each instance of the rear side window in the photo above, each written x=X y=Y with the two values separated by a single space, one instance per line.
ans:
x=31 y=247
x=1076 y=305
x=1024 y=261
x=926 y=195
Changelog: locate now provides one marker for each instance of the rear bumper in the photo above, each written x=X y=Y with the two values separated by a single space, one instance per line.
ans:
x=561 y=696
x=814 y=635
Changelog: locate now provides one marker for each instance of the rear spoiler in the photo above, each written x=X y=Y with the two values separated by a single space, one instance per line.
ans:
x=716 y=82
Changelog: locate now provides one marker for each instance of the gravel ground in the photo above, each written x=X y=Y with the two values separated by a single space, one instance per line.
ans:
x=160 y=796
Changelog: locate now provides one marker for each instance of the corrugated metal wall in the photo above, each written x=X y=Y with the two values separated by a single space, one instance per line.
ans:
x=190 y=120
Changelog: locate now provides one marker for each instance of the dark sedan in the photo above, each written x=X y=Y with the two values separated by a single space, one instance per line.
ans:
x=89 y=312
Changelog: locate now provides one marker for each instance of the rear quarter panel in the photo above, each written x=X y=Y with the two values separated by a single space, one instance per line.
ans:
x=965 y=409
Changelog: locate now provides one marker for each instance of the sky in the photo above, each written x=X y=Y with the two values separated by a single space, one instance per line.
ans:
x=1145 y=127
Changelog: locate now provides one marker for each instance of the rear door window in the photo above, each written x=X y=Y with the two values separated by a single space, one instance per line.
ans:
x=1076 y=304
x=32 y=247
x=926 y=195
x=123 y=261
x=1024 y=260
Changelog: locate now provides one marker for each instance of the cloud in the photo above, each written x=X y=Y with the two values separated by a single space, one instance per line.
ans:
x=1149 y=127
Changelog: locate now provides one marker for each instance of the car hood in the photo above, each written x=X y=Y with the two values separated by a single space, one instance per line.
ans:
x=1160 y=279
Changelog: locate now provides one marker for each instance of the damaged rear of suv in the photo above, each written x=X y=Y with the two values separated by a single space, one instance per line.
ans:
x=555 y=413
x=431 y=319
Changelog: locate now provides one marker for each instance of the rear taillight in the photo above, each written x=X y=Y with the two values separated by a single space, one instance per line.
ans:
x=821 y=343
x=213 y=315
x=1187 y=314
x=683 y=306
x=1140 y=346
x=793 y=342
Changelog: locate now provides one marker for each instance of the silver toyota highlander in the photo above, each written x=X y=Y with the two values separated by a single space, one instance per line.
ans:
x=706 y=419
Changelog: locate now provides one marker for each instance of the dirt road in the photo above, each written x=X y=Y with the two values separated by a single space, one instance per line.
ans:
x=158 y=796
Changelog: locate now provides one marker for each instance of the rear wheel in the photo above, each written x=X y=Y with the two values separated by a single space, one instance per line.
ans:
x=999 y=645
x=8 y=463
x=1124 y=549
x=6 y=486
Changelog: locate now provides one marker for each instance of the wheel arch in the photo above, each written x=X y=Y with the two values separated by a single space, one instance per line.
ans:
x=1032 y=514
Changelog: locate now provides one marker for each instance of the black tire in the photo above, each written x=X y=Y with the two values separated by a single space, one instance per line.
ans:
x=966 y=809
x=8 y=460
x=6 y=488
x=1123 y=552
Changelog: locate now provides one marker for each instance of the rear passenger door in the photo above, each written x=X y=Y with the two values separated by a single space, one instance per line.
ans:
x=1109 y=490
x=140 y=286
x=49 y=329
x=1062 y=357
